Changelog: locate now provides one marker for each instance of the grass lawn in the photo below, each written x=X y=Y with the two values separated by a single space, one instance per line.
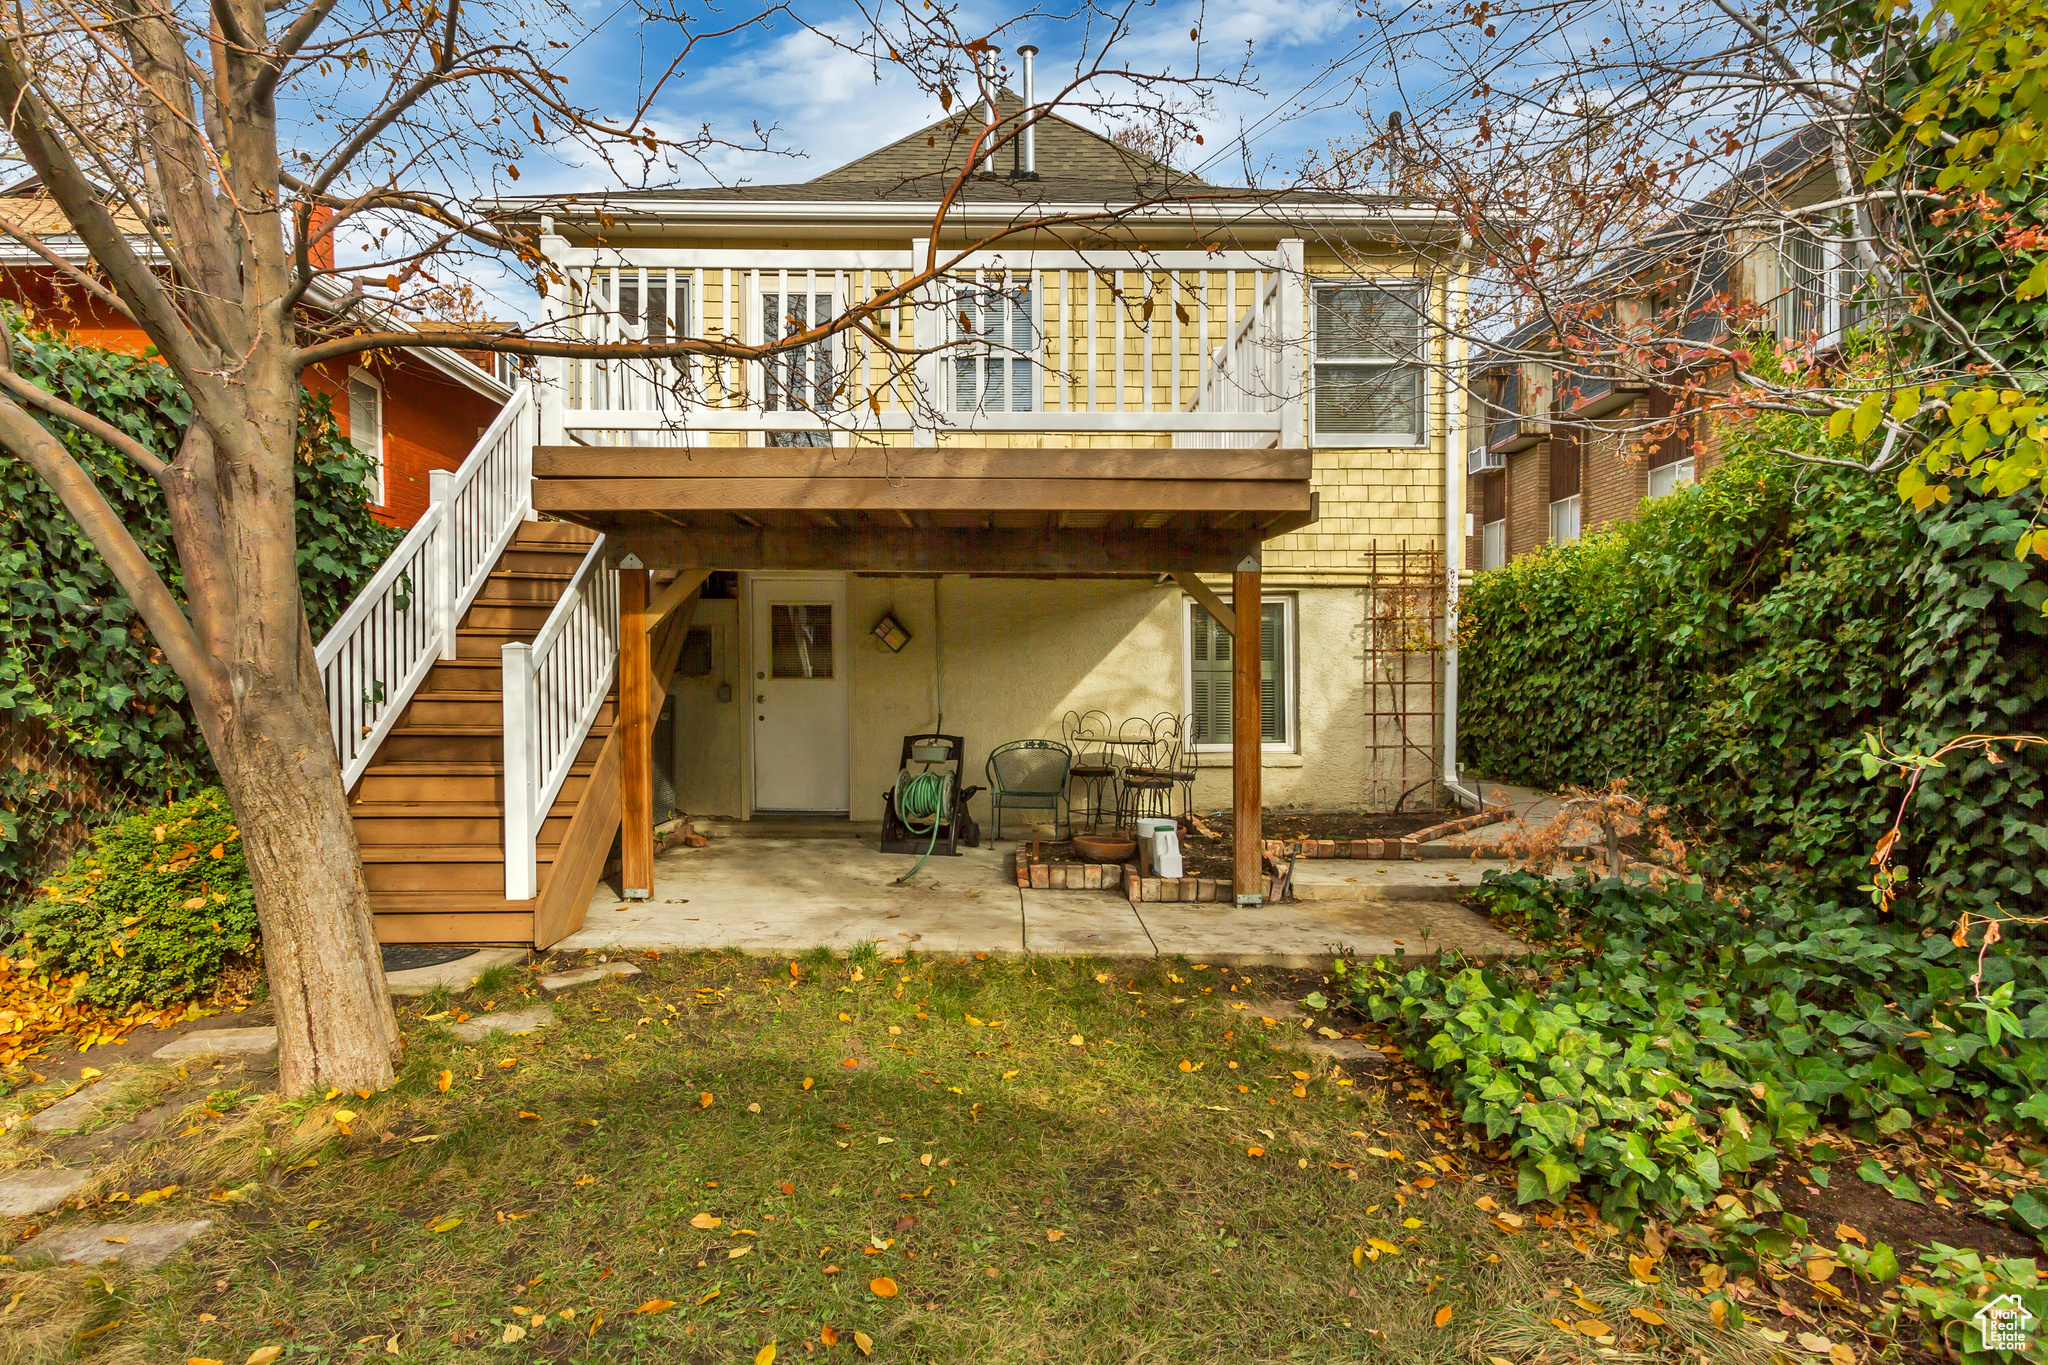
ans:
x=986 y=1161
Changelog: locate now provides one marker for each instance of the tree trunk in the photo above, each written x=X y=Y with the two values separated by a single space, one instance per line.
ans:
x=335 y=1025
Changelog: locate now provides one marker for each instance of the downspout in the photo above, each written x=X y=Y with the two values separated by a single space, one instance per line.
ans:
x=1457 y=435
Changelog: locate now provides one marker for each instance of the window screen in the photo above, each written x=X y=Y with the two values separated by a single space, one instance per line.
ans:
x=1368 y=361
x=800 y=640
x=1210 y=679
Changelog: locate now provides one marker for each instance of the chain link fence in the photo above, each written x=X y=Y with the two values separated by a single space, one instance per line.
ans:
x=53 y=795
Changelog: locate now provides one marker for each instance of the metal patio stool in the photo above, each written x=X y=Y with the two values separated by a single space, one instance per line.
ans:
x=1030 y=773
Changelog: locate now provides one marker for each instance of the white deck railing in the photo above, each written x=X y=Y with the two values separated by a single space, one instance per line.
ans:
x=1247 y=373
x=554 y=688
x=403 y=622
x=1095 y=341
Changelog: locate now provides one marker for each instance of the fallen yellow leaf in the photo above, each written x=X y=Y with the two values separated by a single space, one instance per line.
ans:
x=1713 y=1275
x=704 y=1099
x=882 y=1287
x=1054 y=1234
x=1358 y=1256
x=1593 y=1327
x=445 y=1225
x=1443 y=1316
x=263 y=1355
x=1644 y=1268
x=738 y=1252
x=829 y=1335
x=447 y=1079
x=653 y=1306
x=1255 y=1151
x=865 y=1342
x=1717 y=1312
x=1645 y=1315
x=706 y=1220
x=808 y=1082
x=709 y=1296
x=766 y=1355
x=513 y=1332
x=1383 y=1246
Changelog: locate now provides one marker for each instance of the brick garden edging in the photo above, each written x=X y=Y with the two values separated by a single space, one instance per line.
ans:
x=1069 y=876
x=1190 y=889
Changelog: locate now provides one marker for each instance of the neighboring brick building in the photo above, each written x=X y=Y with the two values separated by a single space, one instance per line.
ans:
x=1569 y=453
x=422 y=411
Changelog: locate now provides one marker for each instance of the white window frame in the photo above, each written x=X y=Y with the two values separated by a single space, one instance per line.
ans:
x=1564 y=519
x=1674 y=476
x=358 y=375
x=1417 y=290
x=1831 y=283
x=982 y=350
x=1493 y=544
x=1290 y=655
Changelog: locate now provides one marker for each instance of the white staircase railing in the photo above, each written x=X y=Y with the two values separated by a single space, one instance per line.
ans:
x=403 y=622
x=554 y=688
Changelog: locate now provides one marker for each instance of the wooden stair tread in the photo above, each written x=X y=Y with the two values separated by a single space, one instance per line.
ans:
x=428 y=767
x=435 y=902
x=446 y=853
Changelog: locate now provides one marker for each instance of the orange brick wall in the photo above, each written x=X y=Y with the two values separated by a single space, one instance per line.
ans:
x=430 y=421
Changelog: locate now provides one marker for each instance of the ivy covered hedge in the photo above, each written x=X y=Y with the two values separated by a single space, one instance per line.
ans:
x=91 y=717
x=1729 y=649
x=1664 y=1037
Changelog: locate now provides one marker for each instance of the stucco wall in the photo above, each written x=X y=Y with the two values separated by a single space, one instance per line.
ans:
x=1010 y=658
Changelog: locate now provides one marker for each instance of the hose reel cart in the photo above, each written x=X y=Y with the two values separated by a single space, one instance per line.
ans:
x=926 y=812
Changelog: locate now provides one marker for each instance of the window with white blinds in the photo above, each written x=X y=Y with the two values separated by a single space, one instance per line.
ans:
x=995 y=349
x=1209 y=675
x=366 y=427
x=1368 y=342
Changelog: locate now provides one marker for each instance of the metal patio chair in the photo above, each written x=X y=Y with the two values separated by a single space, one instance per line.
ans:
x=1031 y=774
x=1095 y=766
x=1147 y=787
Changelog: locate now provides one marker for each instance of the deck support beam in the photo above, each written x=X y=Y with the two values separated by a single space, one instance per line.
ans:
x=636 y=766
x=1248 y=879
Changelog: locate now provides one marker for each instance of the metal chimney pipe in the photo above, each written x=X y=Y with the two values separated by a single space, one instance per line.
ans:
x=988 y=159
x=1028 y=142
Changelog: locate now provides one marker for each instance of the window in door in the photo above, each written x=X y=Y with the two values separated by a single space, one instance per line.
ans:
x=800 y=640
x=995 y=348
x=799 y=380
x=366 y=427
x=1209 y=677
x=1368 y=348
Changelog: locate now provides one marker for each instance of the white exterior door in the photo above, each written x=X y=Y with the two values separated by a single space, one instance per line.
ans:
x=799 y=693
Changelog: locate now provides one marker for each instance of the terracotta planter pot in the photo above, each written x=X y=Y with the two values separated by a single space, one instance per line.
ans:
x=1105 y=848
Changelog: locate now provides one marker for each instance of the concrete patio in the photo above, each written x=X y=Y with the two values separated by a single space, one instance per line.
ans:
x=785 y=895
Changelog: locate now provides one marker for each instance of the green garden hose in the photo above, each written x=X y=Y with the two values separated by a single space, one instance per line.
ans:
x=921 y=806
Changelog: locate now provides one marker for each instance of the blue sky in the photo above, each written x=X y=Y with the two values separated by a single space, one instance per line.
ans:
x=830 y=107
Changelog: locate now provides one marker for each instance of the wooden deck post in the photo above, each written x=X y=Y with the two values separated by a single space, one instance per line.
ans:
x=636 y=765
x=1248 y=878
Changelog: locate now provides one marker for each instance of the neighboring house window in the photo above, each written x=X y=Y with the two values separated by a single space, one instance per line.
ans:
x=366 y=426
x=1566 y=462
x=1564 y=520
x=1493 y=512
x=1672 y=458
x=995 y=349
x=1666 y=479
x=1368 y=348
x=1493 y=544
x=800 y=380
x=1817 y=286
x=1209 y=675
